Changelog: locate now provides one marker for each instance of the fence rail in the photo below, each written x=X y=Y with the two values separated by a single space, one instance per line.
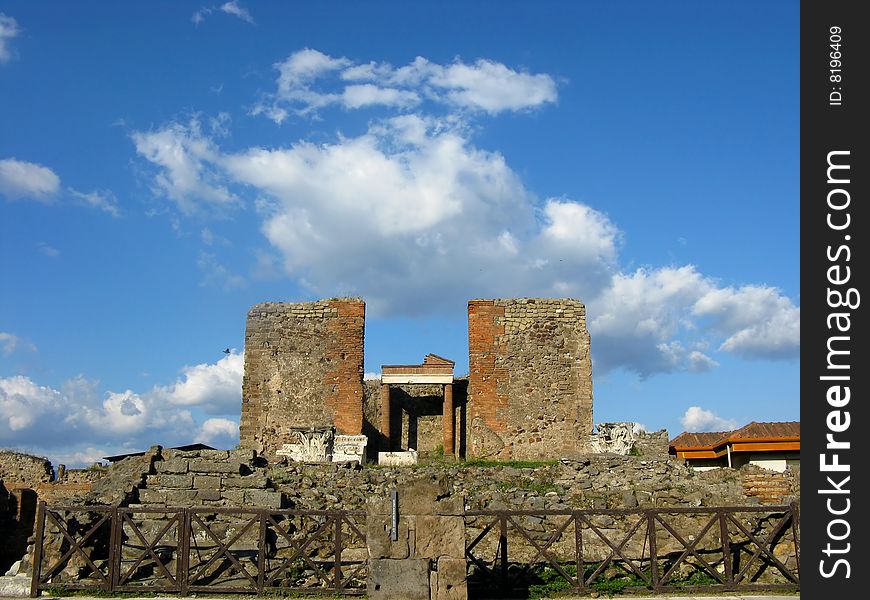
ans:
x=749 y=548
x=187 y=550
x=231 y=550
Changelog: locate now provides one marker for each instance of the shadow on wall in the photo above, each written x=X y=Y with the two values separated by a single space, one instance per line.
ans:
x=416 y=418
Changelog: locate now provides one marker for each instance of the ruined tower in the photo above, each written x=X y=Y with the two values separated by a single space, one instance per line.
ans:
x=303 y=369
x=530 y=378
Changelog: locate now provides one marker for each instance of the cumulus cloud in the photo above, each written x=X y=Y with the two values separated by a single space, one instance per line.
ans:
x=700 y=419
x=638 y=316
x=220 y=432
x=309 y=80
x=414 y=199
x=9 y=29
x=216 y=388
x=79 y=424
x=26 y=180
x=758 y=321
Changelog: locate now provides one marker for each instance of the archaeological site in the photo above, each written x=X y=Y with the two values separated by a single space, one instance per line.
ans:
x=421 y=484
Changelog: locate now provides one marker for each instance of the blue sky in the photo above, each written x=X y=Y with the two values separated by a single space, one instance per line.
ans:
x=166 y=165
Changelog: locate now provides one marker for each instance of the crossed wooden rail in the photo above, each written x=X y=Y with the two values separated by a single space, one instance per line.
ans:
x=197 y=549
x=733 y=556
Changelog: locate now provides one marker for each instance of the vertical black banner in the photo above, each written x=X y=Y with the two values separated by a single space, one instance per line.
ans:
x=835 y=225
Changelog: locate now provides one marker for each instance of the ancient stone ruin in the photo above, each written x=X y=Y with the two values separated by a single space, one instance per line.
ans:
x=528 y=394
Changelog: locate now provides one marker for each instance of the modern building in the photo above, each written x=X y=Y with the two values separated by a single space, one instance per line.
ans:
x=774 y=446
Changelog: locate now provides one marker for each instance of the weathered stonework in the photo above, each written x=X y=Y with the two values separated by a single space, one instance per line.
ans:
x=530 y=381
x=303 y=368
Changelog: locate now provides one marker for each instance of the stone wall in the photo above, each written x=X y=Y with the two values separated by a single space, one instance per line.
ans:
x=653 y=444
x=207 y=478
x=303 y=368
x=23 y=470
x=530 y=381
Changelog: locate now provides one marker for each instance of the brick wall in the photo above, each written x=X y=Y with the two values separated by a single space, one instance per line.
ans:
x=530 y=380
x=303 y=368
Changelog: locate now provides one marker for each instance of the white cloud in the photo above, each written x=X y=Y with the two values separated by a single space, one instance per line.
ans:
x=200 y=15
x=183 y=154
x=237 y=10
x=218 y=432
x=357 y=96
x=759 y=322
x=309 y=80
x=80 y=425
x=21 y=179
x=233 y=8
x=636 y=319
x=700 y=419
x=217 y=388
x=23 y=403
x=103 y=200
x=492 y=87
x=9 y=343
x=9 y=29
x=413 y=199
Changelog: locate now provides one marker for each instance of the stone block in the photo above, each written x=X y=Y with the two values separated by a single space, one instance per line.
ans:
x=256 y=481
x=183 y=482
x=180 y=497
x=263 y=498
x=243 y=455
x=208 y=494
x=451 y=582
x=151 y=496
x=206 y=482
x=438 y=536
x=175 y=465
x=397 y=459
x=209 y=466
x=234 y=497
x=398 y=579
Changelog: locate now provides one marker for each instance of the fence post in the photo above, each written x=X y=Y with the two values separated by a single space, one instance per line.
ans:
x=653 y=550
x=795 y=531
x=261 y=554
x=503 y=549
x=726 y=547
x=184 y=532
x=115 y=548
x=337 y=582
x=578 y=548
x=37 y=550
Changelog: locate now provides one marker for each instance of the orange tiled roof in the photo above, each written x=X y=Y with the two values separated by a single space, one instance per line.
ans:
x=756 y=433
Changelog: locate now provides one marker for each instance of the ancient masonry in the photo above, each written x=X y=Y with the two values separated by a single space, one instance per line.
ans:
x=303 y=370
x=528 y=395
x=530 y=380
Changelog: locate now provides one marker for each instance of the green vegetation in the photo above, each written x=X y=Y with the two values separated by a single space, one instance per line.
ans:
x=517 y=464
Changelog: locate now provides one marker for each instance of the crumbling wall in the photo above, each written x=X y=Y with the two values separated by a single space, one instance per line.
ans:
x=23 y=470
x=530 y=382
x=303 y=368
